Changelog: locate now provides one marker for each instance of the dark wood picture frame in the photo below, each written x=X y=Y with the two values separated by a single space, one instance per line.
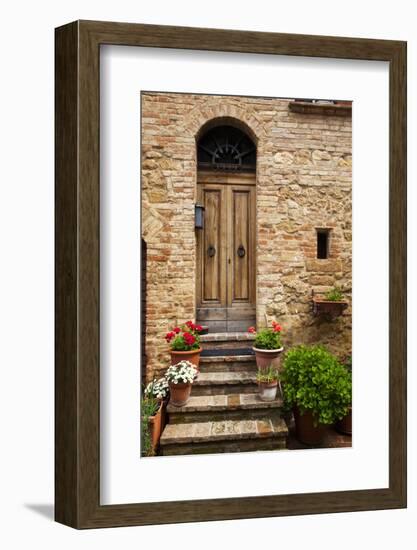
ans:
x=77 y=406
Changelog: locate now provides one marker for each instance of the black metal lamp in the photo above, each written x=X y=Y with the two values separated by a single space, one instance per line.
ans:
x=199 y=216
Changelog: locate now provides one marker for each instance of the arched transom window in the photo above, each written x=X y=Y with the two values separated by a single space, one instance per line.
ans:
x=226 y=148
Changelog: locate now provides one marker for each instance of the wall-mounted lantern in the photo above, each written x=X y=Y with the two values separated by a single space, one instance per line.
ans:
x=199 y=216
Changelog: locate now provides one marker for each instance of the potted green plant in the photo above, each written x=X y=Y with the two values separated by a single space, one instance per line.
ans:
x=344 y=425
x=180 y=378
x=184 y=343
x=149 y=408
x=268 y=383
x=157 y=391
x=332 y=304
x=317 y=388
x=267 y=346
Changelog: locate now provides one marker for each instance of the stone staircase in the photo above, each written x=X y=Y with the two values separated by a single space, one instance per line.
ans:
x=224 y=412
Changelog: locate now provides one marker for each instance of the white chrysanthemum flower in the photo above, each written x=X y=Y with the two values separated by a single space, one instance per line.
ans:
x=182 y=372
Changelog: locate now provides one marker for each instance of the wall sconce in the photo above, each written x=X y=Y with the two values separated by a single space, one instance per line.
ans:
x=199 y=216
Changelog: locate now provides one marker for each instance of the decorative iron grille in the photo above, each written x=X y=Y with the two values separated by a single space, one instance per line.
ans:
x=226 y=148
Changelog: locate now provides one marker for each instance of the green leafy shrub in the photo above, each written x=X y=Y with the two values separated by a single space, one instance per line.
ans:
x=334 y=295
x=314 y=380
x=348 y=362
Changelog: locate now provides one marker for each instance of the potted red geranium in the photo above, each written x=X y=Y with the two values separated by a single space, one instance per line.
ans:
x=267 y=346
x=184 y=343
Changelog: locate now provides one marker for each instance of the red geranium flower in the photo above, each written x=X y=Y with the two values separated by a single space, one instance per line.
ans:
x=169 y=336
x=177 y=330
x=198 y=328
x=189 y=338
x=252 y=330
x=189 y=324
x=277 y=327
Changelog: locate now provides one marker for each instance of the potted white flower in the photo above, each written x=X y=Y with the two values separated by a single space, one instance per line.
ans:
x=180 y=378
x=158 y=389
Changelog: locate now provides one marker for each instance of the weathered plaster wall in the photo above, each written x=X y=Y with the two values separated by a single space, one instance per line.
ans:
x=304 y=176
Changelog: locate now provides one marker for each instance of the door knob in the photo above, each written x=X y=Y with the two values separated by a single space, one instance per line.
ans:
x=241 y=251
x=211 y=251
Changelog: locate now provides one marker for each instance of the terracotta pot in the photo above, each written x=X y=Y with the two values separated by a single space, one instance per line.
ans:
x=305 y=429
x=344 y=425
x=192 y=356
x=266 y=358
x=179 y=394
x=157 y=425
x=268 y=391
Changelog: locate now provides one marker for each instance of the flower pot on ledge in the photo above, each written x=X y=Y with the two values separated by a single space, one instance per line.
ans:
x=330 y=308
x=193 y=356
x=268 y=390
x=179 y=393
x=268 y=358
x=157 y=425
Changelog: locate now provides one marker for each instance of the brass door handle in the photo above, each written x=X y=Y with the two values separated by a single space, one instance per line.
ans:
x=241 y=251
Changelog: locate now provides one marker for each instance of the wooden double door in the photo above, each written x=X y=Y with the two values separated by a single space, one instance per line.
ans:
x=226 y=270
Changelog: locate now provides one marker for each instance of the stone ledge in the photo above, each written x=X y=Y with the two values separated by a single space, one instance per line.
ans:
x=324 y=266
x=325 y=109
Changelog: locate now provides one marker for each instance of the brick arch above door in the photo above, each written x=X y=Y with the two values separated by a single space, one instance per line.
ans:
x=198 y=118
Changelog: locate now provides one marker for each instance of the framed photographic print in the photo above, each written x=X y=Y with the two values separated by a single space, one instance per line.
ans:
x=230 y=274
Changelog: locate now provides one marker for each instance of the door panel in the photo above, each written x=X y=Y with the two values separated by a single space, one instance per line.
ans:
x=240 y=251
x=212 y=253
x=211 y=275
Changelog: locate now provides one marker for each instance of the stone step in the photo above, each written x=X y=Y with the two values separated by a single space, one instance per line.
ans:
x=224 y=326
x=229 y=363
x=227 y=340
x=224 y=382
x=227 y=352
x=224 y=436
x=246 y=406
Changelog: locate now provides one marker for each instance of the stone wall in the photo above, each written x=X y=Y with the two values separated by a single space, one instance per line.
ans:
x=304 y=177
